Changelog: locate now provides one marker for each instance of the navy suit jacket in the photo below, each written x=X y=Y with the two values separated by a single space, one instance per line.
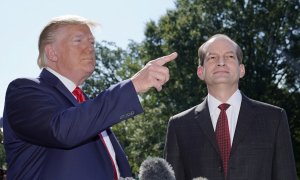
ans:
x=49 y=135
x=261 y=148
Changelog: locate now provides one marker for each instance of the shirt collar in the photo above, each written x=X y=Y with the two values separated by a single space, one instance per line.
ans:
x=234 y=101
x=67 y=82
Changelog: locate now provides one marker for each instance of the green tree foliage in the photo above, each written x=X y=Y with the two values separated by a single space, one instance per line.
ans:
x=2 y=152
x=268 y=32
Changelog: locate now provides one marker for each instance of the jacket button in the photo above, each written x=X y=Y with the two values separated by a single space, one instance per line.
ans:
x=220 y=168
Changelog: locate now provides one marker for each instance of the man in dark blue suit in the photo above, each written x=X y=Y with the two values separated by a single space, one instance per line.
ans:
x=50 y=133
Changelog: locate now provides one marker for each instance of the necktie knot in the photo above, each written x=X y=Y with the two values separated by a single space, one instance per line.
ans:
x=78 y=94
x=224 y=106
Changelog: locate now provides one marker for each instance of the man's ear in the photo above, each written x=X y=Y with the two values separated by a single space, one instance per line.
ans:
x=242 y=70
x=200 y=72
x=50 y=53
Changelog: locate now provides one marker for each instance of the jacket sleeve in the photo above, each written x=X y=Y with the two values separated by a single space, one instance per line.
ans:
x=42 y=115
x=284 y=162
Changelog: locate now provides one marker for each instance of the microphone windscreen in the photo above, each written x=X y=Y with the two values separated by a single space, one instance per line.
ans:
x=200 y=178
x=126 y=178
x=156 y=169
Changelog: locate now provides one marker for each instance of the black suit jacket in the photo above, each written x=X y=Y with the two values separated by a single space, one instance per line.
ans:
x=261 y=148
x=49 y=135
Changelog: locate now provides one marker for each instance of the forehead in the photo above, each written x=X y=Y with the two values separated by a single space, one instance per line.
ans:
x=72 y=30
x=220 y=45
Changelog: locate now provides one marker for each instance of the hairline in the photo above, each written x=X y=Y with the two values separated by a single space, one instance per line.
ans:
x=202 y=51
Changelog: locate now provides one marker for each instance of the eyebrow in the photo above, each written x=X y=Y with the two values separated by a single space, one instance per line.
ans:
x=213 y=53
x=229 y=52
x=82 y=35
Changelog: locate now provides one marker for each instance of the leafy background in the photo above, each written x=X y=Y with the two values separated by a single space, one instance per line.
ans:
x=268 y=32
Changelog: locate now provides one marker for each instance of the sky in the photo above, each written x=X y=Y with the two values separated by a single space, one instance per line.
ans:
x=22 y=21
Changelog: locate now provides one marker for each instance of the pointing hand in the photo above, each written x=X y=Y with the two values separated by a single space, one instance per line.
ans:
x=153 y=74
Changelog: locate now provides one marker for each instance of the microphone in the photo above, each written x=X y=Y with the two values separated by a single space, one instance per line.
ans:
x=126 y=178
x=200 y=178
x=156 y=169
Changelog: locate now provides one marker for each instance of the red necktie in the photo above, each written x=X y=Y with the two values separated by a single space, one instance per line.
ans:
x=80 y=98
x=111 y=159
x=223 y=136
x=78 y=94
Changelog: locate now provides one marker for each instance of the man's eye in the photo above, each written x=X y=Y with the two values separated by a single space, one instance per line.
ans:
x=229 y=57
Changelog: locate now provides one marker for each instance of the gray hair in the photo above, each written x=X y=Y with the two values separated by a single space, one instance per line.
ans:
x=47 y=35
x=203 y=48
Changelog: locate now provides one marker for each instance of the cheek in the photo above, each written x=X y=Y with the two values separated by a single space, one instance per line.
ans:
x=89 y=66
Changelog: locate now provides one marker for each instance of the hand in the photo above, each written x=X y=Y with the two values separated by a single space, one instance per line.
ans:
x=154 y=74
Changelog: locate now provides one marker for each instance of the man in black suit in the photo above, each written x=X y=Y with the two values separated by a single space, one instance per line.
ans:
x=51 y=130
x=246 y=140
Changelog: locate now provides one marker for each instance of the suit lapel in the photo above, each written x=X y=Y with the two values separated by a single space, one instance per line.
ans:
x=246 y=116
x=203 y=119
x=55 y=82
x=121 y=158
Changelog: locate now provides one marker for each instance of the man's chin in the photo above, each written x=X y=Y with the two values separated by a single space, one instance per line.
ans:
x=90 y=65
x=222 y=81
x=88 y=70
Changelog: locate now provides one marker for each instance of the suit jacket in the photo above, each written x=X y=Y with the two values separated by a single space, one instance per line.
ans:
x=49 y=135
x=261 y=148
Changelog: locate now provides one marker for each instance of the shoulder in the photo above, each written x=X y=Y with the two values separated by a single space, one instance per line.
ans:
x=263 y=111
x=186 y=113
x=28 y=86
x=190 y=113
x=23 y=83
x=263 y=106
x=45 y=79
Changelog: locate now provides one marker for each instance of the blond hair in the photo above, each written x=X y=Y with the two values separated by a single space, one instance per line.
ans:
x=48 y=34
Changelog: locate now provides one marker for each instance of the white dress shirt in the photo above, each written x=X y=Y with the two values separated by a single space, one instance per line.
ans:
x=71 y=86
x=232 y=112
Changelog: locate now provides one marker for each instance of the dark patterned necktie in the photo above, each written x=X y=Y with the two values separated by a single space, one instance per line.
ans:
x=223 y=136
x=81 y=98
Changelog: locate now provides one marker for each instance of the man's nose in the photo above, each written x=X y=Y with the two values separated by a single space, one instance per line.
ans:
x=221 y=61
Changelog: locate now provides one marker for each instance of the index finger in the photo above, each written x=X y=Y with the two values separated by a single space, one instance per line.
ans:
x=163 y=60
